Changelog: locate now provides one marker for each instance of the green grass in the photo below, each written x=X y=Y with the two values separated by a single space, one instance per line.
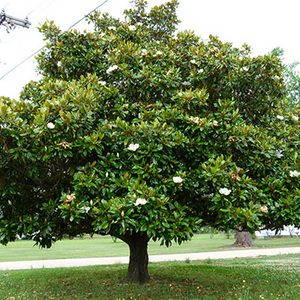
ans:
x=104 y=246
x=260 y=278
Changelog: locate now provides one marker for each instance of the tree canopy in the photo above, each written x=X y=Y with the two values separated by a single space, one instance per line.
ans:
x=142 y=132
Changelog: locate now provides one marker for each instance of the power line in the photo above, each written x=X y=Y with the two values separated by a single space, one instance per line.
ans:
x=39 y=9
x=5 y=5
x=38 y=6
x=36 y=52
x=88 y=14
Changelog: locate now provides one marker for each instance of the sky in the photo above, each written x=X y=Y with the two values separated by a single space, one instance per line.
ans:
x=262 y=24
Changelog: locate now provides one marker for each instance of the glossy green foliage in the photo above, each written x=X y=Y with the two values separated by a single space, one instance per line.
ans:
x=137 y=129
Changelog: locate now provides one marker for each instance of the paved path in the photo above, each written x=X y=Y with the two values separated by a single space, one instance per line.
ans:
x=62 y=263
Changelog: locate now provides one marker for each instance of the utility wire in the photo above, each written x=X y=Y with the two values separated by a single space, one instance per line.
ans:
x=36 y=52
x=38 y=6
x=43 y=8
x=5 y=5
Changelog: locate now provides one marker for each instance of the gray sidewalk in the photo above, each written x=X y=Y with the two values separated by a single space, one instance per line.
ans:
x=79 y=262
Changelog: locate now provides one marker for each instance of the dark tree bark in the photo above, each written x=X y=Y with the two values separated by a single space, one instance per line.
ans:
x=243 y=239
x=138 y=260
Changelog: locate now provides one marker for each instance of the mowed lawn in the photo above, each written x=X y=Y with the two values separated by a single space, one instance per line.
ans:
x=269 y=278
x=100 y=246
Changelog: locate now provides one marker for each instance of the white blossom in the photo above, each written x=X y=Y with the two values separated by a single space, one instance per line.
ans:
x=144 y=51
x=177 y=179
x=208 y=195
x=200 y=71
x=294 y=173
x=131 y=27
x=70 y=198
x=133 y=147
x=186 y=83
x=224 y=191
x=193 y=61
x=86 y=208
x=111 y=69
x=279 y=117
x=50 y=125
x=296 y=118
x=111 y=28
x=59 y=63
x=158 y=53
x=263 y=209
x=195 y=119
x=102 y=83
x=278 y=154
x=140 y=201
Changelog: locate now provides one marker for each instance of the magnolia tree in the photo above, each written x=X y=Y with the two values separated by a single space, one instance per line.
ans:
x=291 y=76
x=142 y=133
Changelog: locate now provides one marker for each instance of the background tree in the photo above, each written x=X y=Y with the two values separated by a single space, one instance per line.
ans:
x=291 y=76
x=141 y=133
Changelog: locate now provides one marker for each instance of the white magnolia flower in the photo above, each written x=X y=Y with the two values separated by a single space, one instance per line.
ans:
x=158 y=53
x=179 y=94
x=278 y=154
x=70 y=198
x=195 y=119
x=186 y=83
x=144 y=51
x=177 y=179
x=245 y=69
x=208 y=195
x=140 y=201
x=131 y=27
x=224 y=191
x=86 y=208
x=133 y=147
x=102 y=83
x=200 y=71
x=59 y=63
x=193 y=61
x=263 y=209
x=50 y=125
x=296 y=118
x=279 y=117
x=111 y=69
x=294 y=173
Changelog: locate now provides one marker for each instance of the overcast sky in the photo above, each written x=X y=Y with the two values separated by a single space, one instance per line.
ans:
x=263 y=24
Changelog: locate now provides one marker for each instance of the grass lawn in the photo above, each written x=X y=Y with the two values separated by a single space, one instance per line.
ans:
x=270 y=278
x=100 y=246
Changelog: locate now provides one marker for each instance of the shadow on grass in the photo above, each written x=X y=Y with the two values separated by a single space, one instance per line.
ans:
x=176 y=280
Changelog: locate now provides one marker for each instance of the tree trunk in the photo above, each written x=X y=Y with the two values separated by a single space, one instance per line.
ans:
x=138 y=260
x=243 y=239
